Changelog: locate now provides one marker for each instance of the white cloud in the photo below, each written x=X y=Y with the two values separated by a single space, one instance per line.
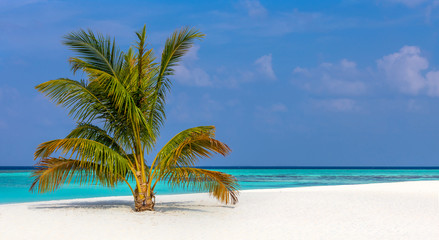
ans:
x=342 y=78
x=254 y=8
x=406 y=71
x=265 y=66
x=192 y=54
x=192 y=76
x=403 y=69
x=346 y=64
x=300 y=70
x=432 y=81
x=337 y=105
x=188 y=73
x=260 y=70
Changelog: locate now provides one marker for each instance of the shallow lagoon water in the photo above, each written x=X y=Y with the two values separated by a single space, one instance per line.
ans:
x=15 y=183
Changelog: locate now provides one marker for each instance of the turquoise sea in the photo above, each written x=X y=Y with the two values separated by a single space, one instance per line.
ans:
x=15 y=182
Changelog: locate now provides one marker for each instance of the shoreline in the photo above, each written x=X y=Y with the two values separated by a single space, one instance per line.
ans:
x=188 y=193
x=401 y=210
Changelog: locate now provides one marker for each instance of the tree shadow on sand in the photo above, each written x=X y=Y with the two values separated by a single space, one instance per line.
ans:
x=162 y=207
x=98 y=204
x=192 y=206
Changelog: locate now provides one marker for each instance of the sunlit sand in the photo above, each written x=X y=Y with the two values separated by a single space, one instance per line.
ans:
x=406 y=210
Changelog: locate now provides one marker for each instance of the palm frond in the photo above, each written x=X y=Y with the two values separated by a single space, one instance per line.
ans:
x=95 y=133
x=175 y=48
x=96 y=52
x=145 y=58
x=222 y=186
x=86 y=151
x=185 y=148
x=51 y=173
x=84 y=105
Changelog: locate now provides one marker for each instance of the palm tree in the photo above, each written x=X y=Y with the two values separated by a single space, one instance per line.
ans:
x=120 y=109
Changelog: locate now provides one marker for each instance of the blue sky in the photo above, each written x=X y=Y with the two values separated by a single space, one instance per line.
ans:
x=290 y=83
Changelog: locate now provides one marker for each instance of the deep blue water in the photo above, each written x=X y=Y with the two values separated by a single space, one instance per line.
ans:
x=15 y=182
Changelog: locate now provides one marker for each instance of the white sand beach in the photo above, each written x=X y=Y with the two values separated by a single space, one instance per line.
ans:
x=406 y=210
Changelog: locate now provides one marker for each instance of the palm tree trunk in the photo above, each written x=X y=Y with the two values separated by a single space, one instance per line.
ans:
x=143 y=199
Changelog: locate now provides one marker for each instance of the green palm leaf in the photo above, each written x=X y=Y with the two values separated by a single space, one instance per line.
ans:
x=84 y=105
x=51 y=173
x=86 y=151
x=185 y=148
x=92 y=132
x=220 y=185
x=99 y=54
x=175 y=48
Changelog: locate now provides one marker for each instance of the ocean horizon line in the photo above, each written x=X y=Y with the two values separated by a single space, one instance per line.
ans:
x=270 y=167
